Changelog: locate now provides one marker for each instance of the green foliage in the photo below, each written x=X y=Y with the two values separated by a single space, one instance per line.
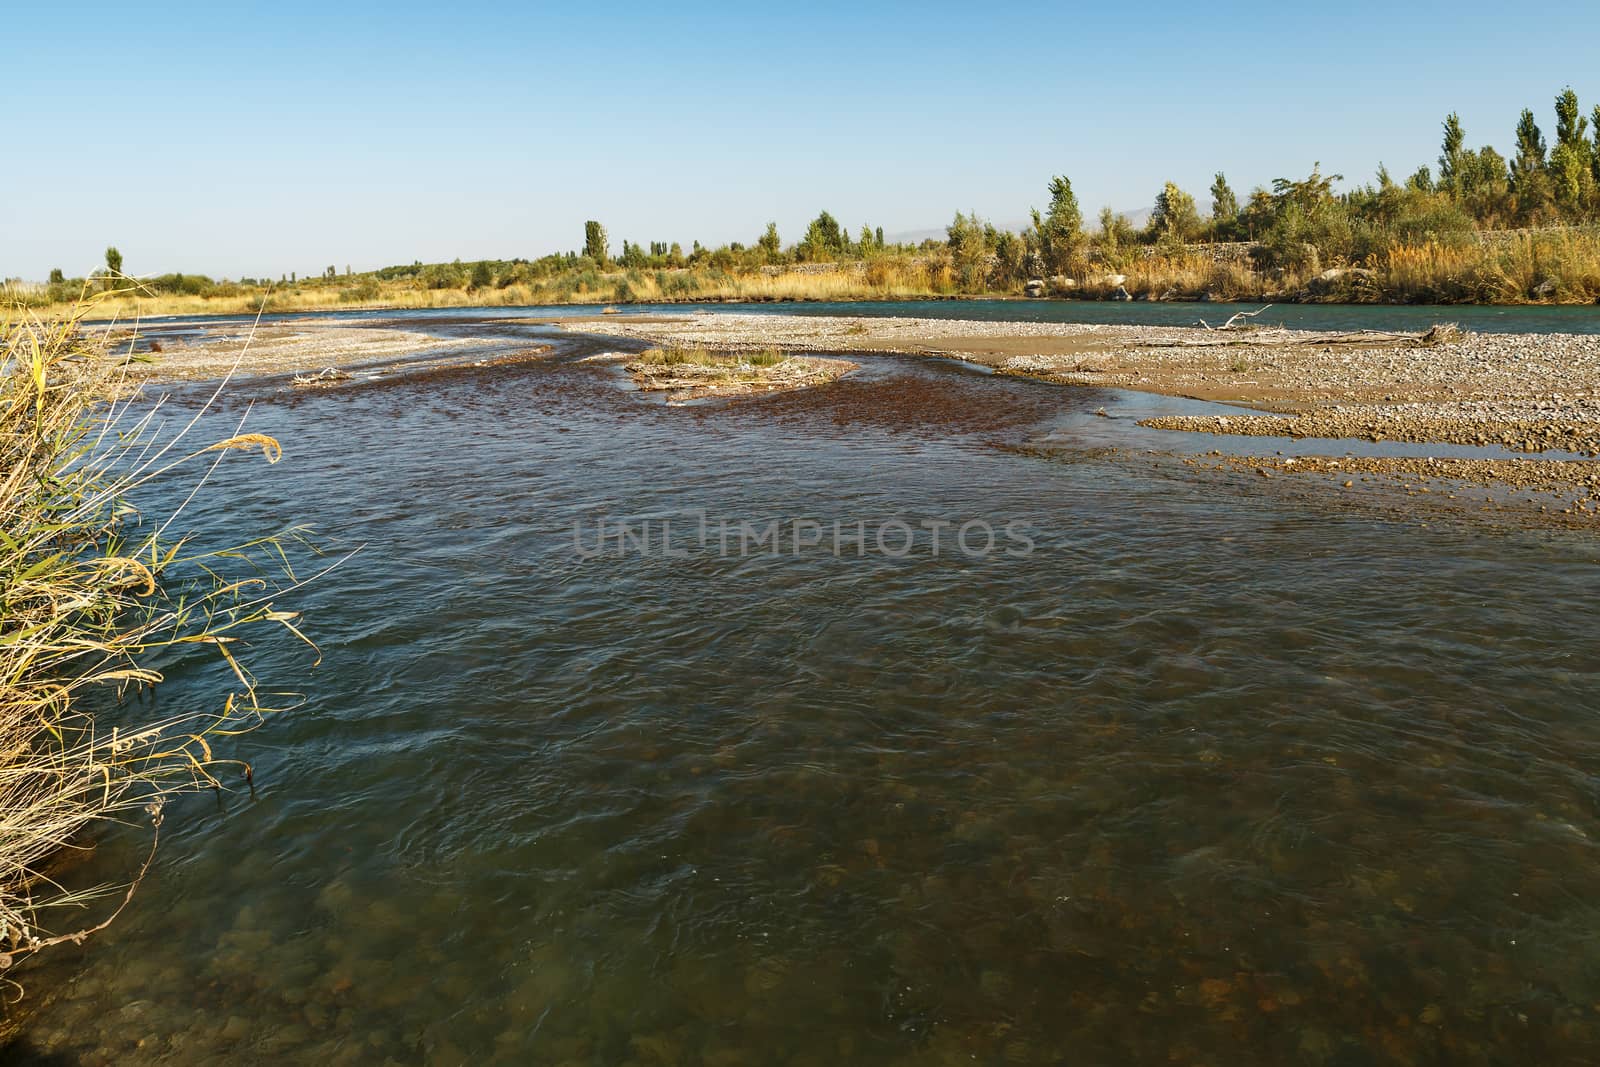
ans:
x=595 y=244
x=1594 y=151
x=187 y=284
x=113 y=261
x=1570 y=123
x=1534 y=196
x=1115 y=242
x=1571 y=177
x=1450 y=158
x=1483 y=186
x=1060 y=230
x=1009 y=256
x=824 y=240
x=1530 y=145
x=1175 y=218
x=1224 y=204
x=366 y=291
x=969 y=250
x=56 y=277
x=444 y=276
x=1300 y=222
x=1395 y=214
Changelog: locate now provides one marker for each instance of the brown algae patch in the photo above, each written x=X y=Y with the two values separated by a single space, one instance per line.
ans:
x=696 y=373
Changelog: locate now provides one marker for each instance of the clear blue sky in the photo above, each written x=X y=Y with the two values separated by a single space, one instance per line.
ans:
x=243 y=139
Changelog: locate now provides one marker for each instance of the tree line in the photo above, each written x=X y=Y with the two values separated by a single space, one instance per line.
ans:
x=1294 y=226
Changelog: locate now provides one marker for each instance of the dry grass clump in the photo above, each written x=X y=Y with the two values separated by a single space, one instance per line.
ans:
x=679 y=357
x=700 y=363
x=90 y=592
x=766 y=357
x=1441 y=333
x=691 y=373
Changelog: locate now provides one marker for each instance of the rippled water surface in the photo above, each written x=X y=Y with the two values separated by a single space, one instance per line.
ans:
x=1213 y=775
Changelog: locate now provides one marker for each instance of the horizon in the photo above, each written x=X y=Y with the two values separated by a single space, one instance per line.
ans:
x=378 y=139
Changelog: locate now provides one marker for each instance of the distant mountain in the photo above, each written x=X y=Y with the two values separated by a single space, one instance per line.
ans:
x=1138 y=218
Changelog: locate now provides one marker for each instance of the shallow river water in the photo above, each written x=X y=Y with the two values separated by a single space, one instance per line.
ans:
x=1181 y=770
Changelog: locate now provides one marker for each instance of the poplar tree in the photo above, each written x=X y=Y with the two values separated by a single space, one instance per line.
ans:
x=1570 y=125
x=1175 y=216
x=1594 y=152
x=595 y=244
x=1224 y=204
x=1060 y=231
x=769 y=243
x=1530 y=146
x=1450 y=159
x=1529 y=179
x=1571 y=161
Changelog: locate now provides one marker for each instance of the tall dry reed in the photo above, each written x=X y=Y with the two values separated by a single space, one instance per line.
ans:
x=91 y=593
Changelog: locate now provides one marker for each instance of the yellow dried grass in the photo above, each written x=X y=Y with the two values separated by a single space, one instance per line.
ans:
x=90 y=592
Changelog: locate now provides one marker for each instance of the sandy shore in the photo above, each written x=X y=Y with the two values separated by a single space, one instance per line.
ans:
x=1527 y=393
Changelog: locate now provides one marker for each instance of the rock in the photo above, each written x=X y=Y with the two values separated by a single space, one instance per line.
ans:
x=236 y=1027
x=1034 y=288
x=1061 y=283
x=135 y=1009
x=1121 y=294
x=1342 y=278
x=1544 y=289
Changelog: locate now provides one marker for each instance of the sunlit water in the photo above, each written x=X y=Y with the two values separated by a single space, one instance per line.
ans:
x=1212 y=775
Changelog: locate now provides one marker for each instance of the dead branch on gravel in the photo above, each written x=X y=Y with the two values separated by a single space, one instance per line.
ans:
x=1233 y=322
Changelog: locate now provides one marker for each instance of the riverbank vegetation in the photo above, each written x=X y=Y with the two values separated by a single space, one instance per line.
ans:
x=1480 y=228
x=695 y=373
x=97 y=601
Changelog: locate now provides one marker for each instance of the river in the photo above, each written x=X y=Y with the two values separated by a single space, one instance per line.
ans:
x=1175 y=769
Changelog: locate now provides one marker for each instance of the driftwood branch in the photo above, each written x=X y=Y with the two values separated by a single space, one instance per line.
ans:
x=1233 y=320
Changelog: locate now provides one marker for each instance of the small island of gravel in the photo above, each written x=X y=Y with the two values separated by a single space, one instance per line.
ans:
x=697 y=373
x=1527 y=393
